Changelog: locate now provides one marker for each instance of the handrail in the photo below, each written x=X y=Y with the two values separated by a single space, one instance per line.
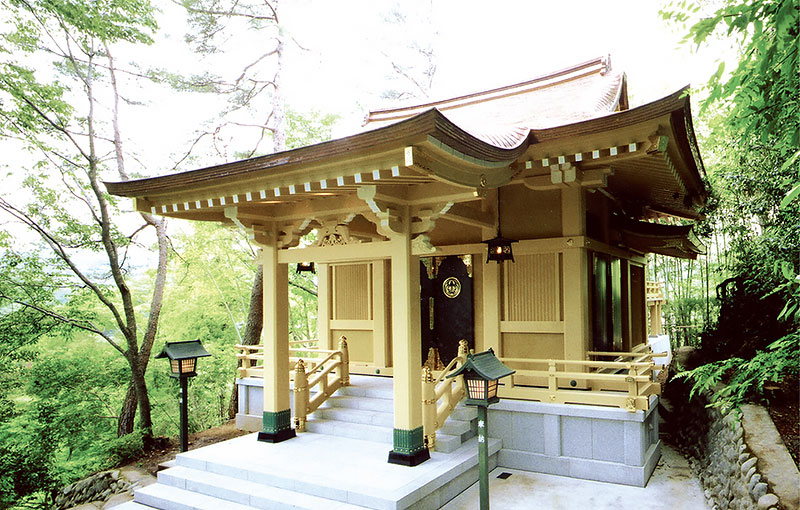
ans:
x=447 y=369
x=304 y=404
x=627 y=354
x=591 y=364
x=449 y=391
x=629 y=390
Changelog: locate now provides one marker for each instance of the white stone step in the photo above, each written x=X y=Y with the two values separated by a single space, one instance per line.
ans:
x=165 y=497
x=350 y=415
x=464 y=413
x=455 y=427
x=311 y=471
x=247 y=493
x=363 y=403
x=373 y=433
x=132 y=505
x=382 y=391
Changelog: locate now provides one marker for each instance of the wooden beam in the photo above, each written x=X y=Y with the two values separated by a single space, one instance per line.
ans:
x=466 y=215
x=568 y=175
x=344 y=253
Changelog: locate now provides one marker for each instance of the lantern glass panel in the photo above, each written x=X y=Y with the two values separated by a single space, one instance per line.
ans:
x=476 y=388
x=491 y=392
x=175 y=365
x=187 y=365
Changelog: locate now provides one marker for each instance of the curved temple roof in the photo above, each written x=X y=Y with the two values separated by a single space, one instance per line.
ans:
x=504 y=116
x=576 y=118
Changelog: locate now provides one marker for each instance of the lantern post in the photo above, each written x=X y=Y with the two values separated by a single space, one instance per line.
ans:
x=183 y=365
x=481 y=372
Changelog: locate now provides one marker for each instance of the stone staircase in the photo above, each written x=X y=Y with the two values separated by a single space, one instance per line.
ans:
x=365 y=411
x=340 y=463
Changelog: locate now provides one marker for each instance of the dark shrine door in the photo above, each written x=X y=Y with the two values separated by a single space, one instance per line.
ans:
x=446 y=305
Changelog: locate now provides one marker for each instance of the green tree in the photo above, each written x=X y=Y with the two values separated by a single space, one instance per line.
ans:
x=752 y=111
x=66 y=116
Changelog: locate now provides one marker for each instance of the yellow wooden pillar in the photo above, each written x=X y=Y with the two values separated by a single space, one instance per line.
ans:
x=381 y=319
x=577 y=330
x=491 y=306
x=324 y=306
x=408 y=446
x=275 y=338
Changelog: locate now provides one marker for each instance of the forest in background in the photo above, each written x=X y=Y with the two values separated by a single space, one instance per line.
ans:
x=89 y=293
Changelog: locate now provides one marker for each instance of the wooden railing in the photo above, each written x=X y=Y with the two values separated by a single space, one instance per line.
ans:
x=441 y=395
x=328 y=375
x=251 y=357
x=325 y=370
x=654 y=291
x=625 y=383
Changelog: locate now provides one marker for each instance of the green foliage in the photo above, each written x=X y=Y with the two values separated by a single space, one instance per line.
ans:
x=762 y=92
x=124 y=449
x=744 y=379
x=752 y=111
x=27 y=455
x=106 y=20
x=307 y=128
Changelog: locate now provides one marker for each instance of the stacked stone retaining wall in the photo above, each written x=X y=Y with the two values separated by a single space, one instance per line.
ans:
x=98 y=487
x=715 y=442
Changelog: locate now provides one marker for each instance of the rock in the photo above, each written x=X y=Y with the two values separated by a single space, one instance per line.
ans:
x=753 y=481
x=743 y=457
x=750 y=473
x=115 y=474
x=759 y=490
x=766 y=501
x=749 y=464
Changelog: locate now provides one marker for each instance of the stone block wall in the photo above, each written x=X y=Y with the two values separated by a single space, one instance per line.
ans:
x=590 y=442
x=98 y=487
x=714 y=441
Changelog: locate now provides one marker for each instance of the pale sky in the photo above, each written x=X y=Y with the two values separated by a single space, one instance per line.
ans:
x=343 y=67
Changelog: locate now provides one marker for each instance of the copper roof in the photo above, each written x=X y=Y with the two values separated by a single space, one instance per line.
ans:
x=504 y=116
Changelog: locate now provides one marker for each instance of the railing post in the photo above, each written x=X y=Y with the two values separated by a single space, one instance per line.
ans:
x=552 y=382
x=463 y=350
x=428 y=408
x=344 y=366
x=633 y=388
x=300 y=396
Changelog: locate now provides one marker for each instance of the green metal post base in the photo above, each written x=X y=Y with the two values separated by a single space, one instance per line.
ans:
x=409 y=448
x=277 y=427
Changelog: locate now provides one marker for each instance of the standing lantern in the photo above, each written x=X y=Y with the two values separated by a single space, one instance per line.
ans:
x=481 y=372
x=183 y=364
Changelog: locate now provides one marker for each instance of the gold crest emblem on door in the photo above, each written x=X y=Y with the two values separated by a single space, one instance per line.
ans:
x=451 y=287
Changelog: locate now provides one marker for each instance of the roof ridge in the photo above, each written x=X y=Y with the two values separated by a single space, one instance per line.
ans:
x=601 y=65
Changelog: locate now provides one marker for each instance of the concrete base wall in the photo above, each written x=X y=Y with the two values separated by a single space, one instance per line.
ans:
x=589 y=442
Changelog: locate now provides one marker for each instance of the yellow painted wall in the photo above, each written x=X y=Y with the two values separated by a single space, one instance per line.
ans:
x=359 y=344
x=533 y=345
x=528 y=214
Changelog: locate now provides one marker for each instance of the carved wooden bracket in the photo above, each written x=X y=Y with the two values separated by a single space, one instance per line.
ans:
x=336 y=232
x=290 y=233
x=259 y=234
x=386 y=219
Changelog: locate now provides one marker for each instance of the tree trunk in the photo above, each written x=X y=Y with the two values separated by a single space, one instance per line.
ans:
x=143 y=399
x=127 y=415
x=252 y=331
